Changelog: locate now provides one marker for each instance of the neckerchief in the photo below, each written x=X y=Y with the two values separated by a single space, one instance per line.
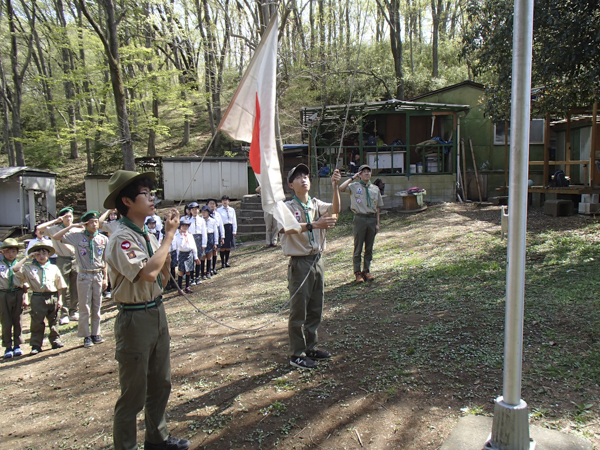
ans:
x=128 y=223
x=45 y=266
x=91 y=239
x=366 y=185
x=306 y=208
x=10 y=273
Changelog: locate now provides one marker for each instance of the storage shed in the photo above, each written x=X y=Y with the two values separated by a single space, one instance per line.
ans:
x=96 y=190
x=186 y=179
x=23 y=191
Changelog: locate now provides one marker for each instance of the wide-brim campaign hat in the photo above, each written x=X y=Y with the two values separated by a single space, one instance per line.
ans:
x=300 y=168
x=41 y=246
x=11 y=243
x=363 y=167
x=119 y=181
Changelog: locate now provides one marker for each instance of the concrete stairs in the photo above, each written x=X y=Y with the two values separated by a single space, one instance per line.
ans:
x=251 y=222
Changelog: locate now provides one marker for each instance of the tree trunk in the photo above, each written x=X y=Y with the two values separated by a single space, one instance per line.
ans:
x=436 y=12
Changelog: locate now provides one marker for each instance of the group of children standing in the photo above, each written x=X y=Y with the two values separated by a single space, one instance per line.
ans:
x=65 y=268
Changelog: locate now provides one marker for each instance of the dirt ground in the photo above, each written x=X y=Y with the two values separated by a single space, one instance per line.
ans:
x=387 y=386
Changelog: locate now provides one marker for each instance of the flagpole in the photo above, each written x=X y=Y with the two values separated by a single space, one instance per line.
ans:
x=510 y=429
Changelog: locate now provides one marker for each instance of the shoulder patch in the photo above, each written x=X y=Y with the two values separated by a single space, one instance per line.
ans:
x=131 y=254
x=125 y=245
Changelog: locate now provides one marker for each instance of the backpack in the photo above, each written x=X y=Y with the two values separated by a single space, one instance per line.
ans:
x=559 y=179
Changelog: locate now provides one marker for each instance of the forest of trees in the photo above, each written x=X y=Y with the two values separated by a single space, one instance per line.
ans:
x=110 y=80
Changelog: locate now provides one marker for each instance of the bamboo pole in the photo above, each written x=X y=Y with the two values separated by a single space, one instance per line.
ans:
x=464 y=164
x=506 y=155
x=475 y=167
x=546 y=181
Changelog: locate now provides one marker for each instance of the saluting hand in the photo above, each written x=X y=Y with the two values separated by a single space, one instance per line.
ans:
x=336 y=177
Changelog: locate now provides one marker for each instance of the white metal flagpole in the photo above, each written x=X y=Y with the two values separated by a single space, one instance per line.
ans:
x=510 y=430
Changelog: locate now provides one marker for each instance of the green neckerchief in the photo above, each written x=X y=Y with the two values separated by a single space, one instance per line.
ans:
x=11 y=273
x=128 y=223
x=45 y=266
x=91 y=239
x=366 y=185
x=306 y=208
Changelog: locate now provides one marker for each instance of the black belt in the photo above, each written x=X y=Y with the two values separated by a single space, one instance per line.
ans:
x=45 y=293
x=141 y=306
x=11 y=290
x=365 y=215
x=312 y=257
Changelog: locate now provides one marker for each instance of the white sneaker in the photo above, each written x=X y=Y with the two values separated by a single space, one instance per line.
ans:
x=74 y=317
x=63 y=321
x=193 y=282
x=107 y=295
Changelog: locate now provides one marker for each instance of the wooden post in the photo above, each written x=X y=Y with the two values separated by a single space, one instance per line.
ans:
x=506 y=155
x=546 y=181
x=568 y=146
x=464 y=164
x=475 y=167
x=594 y=175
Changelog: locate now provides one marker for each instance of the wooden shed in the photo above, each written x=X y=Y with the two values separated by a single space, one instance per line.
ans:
x=27 y=196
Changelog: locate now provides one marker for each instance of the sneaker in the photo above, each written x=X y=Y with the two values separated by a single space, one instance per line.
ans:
x=214 y=272
x=222 y=266
x=203 y=276
x=187 y=290
x=302 y=362
x=107 y=295
x=318 y=354
x=87 y=342
x=35 y=350
x=179 y=292
x=8 y=353
x=170 y=444
x=367 y=276
x=192 y=282
x=74 y=317
x=57 y=345
x=227 y=264
x=198 y=281
x=359 y=277
x=97 y=339
x=208 y=276
x=63 y=320
x=17 y=351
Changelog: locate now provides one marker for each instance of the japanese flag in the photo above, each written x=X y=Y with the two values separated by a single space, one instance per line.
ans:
x=250 y=117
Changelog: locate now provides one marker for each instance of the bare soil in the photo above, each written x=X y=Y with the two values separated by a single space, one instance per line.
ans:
x=389 y=385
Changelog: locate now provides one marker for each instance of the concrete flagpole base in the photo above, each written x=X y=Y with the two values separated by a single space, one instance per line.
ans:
x=510 y=430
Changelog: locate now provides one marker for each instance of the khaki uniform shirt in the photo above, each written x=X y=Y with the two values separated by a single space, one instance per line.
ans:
x=110 y=227
x=126 y=255
x=298 y=244
x=358 y=198
x=61 y=249
x=81 y=242
x=4 y=282
x=31 y=274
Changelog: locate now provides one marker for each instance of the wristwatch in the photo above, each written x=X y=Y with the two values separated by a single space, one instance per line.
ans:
x=309 y=227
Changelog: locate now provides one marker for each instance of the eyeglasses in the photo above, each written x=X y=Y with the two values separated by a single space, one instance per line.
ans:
x=148 y=194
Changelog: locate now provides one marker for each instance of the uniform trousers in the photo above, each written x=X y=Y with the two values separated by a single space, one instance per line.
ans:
x=68 y=268
x=89 y=287
x=11 y=307
x=142 y=351
x=364 y=229
x=44 y=306
x=306 y=307
x=272 y=229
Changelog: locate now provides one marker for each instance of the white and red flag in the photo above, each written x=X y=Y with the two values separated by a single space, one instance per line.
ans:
x=250 y=117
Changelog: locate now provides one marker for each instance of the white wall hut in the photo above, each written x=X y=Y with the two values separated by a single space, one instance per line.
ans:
x=96 y=191
x=24 y=190
x=184 y=180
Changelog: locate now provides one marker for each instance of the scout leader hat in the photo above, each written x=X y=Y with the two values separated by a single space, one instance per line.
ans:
x=11 y=243
x=89 y=216
x=119 y=181
x=300 y=168
x=363 y=167
x=41 y=246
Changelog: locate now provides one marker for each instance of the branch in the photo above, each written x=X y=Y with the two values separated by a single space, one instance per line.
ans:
x=96 y=28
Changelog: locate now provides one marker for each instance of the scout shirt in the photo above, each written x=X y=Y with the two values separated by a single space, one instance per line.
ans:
x=304 y=244
x=42 y=279
x=90 y=251
x=219 y=220
x=198 y=226
x=359 y=201
x=5 y=276
x=228 y=216
x=65 y=250
x=126 y=255
x=110 y=227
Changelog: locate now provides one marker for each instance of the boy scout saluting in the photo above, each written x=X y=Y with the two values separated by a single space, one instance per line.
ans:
x=65 y=262
x=366 y=203
x=139 y=268
x=47 y=285
x=92 y=280
x=304 y=248
x=12 y=299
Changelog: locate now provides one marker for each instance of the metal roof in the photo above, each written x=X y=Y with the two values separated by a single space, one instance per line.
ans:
x=392 y=105
x=8 y=172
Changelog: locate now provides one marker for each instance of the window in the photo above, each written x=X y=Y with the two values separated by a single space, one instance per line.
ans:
x=536 y=132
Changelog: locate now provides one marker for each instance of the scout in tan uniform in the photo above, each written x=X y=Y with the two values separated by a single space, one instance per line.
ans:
x=366 y=203
x=90 y=248
x=304 y=249
x=139 y=268
x=12 y=299
x=47 y=284
x=65 y=262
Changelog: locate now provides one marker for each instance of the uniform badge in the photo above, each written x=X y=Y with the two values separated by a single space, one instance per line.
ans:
x=34 y=270
x=2 y=267
x=359 y=191
x=298 y=216
x=126 y=245
x=131 y=254
x=84 y=240
x=99 y=252
x=82 y=251
x=358 y=200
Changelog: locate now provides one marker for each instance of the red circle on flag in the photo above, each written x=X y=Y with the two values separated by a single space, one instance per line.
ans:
x=126 y=245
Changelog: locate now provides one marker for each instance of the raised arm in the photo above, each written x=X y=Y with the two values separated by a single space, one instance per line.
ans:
x=156 y=263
